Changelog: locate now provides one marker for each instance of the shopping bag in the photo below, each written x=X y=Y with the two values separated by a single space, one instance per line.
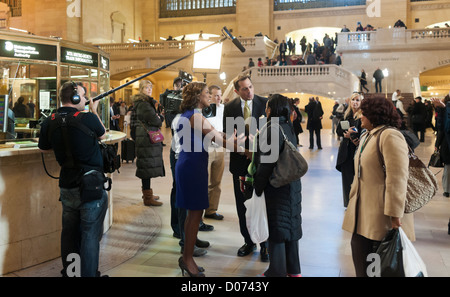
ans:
x=256 y=217
x=413 y=265
x=390 y=252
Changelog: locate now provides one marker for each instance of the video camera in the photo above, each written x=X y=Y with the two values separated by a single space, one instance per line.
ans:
x=171 y=99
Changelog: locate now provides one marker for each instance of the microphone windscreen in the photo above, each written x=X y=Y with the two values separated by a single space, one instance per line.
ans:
x=239 y=45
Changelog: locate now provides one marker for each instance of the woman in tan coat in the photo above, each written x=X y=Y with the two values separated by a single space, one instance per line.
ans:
x=377 y=199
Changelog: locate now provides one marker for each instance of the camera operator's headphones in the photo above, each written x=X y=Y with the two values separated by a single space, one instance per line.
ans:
x=75 y=99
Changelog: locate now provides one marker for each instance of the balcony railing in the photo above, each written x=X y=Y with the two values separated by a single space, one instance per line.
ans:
x=394 y=36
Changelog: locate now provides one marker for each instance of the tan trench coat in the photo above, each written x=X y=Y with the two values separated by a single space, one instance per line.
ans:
x=374 y=197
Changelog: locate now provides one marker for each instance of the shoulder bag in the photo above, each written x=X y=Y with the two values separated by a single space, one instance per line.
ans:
x=422 y=184
x=155 y=136
x=291 y=165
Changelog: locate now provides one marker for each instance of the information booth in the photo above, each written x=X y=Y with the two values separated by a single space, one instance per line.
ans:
x=32 y=69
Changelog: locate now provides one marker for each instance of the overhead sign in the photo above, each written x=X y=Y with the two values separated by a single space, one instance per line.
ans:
x=26 y=50
x=74 y=56
x=104 y=63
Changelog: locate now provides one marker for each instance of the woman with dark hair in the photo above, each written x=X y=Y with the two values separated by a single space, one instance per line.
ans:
x=377 y=195
x=191 y=169
x=283 y=203
x=443 y=141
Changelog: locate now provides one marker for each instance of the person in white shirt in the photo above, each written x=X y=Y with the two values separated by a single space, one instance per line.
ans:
x=398 y=103
x=216 y=162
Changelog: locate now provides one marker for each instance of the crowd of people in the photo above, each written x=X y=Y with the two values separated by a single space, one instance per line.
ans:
x=198 y=142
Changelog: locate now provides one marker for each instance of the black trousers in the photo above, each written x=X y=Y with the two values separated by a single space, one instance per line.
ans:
x=241 y=209
x=311 y=138
x=361 y=248
x=284 y=259
x=177 y=215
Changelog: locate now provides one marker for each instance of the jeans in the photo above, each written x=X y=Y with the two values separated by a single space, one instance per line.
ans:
x=378 y=87
x=82 y=230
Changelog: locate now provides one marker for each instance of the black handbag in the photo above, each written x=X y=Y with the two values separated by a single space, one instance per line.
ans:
x=435 y=160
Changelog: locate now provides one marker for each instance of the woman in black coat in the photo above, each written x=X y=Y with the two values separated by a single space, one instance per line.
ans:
x=347 y=148
x=149 y=162
x=283 y=203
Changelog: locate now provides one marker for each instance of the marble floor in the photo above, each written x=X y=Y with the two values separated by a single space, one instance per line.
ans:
x=140 y=243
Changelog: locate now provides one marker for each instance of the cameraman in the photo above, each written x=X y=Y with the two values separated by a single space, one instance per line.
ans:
x=163 y=100
x=82 y=222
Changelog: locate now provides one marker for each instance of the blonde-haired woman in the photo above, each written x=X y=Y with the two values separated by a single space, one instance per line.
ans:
x=350 y=141
x=191 y=170
x=149 y=157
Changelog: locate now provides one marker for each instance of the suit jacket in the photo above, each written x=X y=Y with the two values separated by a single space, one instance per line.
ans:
x=374 y=198
x=233 y=110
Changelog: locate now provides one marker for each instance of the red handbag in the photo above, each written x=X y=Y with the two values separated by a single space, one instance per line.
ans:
x=155 y=136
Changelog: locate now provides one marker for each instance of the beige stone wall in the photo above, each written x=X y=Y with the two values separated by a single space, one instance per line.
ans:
x=44 y=22
x=428 y=13
x=141 y=18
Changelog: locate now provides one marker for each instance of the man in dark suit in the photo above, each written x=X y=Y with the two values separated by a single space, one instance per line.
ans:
x=247 y=105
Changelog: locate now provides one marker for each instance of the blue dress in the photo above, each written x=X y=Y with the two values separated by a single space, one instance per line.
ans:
x=191 y=169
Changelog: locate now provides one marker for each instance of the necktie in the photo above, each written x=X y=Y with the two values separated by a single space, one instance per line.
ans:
x=247 y=112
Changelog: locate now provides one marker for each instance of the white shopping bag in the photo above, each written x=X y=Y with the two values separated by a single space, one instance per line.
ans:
x=413 y=265
x=256 y=217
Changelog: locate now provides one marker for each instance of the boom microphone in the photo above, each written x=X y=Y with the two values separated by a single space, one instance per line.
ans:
x=233 y=39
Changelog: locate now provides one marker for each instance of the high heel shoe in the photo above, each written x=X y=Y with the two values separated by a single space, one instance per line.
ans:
x=184 y=268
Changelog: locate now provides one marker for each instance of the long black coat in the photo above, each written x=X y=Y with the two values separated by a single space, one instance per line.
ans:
x=284 y=203
x=443 y=136
x=315 y=112
x=149 y=161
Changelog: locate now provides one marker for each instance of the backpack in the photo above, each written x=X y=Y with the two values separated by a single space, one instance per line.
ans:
x=422 y=184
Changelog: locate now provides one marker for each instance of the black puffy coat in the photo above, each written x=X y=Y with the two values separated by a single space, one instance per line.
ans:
x=149 y=162
x=283 y=203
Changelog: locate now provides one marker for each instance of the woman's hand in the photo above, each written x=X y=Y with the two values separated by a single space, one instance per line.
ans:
x=395 y=223
x=348 y=132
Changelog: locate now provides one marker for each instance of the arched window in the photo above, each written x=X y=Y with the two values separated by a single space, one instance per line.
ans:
x=309 y=4
x=181 y=8
x=15 y=6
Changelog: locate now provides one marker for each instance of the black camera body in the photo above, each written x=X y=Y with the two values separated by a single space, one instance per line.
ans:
x=210 y=111
x=171 y=101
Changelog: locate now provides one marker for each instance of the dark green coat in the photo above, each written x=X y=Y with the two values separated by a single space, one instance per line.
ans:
x=149 y=161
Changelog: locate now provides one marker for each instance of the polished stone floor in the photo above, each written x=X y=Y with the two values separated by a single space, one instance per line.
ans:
x=140 y=243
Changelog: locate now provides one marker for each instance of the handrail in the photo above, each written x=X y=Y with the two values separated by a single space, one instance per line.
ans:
x=393 y=36
x=330 y=71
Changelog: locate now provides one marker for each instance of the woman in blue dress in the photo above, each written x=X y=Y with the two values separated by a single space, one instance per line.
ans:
x=191 y=171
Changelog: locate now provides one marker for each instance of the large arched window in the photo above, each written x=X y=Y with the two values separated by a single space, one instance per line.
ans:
x=309 y=4
x=181 y=8
x=15 y=6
